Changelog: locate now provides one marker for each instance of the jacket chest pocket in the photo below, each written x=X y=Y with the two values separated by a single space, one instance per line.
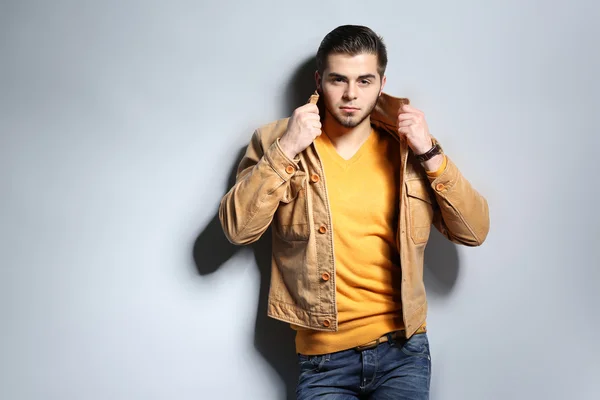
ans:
x=292 y=223
x=420 y=210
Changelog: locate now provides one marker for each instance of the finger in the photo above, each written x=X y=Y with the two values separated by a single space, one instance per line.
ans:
x=312 y=122
x=306 y=110
x=309 y=108
x=407 y=108
x=405 y=116
x=408 y=122
x=411 y=115
x=309 y=117
x=405 y=130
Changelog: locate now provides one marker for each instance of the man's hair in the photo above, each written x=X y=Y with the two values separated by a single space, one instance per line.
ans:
x=352 y=40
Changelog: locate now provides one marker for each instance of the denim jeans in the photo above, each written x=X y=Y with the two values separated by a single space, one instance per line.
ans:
x=398 y=369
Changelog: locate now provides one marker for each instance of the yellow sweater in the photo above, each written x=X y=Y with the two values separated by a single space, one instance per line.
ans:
x=363 y=196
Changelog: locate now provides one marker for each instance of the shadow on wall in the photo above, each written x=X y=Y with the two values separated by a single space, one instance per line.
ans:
x=273 y=339
x=441 y=266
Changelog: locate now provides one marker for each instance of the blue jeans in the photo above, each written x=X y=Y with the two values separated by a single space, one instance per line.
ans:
x=398 y=369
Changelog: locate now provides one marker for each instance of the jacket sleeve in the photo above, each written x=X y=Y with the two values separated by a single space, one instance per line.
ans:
x=462 y=214
x=262 y=180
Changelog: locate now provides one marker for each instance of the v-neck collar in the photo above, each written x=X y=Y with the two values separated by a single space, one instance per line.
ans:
x=341 y=161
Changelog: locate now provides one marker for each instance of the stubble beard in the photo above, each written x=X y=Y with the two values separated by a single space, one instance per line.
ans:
x=348 y=121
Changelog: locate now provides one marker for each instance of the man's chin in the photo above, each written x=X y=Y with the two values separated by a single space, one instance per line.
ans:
x=349 y=122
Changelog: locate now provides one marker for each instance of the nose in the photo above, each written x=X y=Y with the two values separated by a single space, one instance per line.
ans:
x=350 y=93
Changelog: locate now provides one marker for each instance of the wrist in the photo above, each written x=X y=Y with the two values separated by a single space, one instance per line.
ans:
x=430 y=153
x=422 y=149
x=286 y=148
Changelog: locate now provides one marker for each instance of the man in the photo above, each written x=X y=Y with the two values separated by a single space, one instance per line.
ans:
x=351 y=184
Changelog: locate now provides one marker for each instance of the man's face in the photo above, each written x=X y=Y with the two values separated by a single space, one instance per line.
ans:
x=350 y=86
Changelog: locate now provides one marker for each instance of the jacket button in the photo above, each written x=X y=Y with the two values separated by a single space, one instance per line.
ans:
x=314 y=178
x=440 y=186
x=289 y=169
x=325 y=276
x=326 y=323
x=323 y=229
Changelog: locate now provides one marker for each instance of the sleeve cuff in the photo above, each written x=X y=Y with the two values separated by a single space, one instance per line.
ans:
x=294 y=161
x=440 y=170
x=281 y=163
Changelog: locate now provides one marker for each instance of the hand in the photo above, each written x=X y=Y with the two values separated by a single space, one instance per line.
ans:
x=412 y=126
x=303 y=128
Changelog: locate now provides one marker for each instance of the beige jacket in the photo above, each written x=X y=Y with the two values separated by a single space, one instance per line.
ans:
x=292 y=195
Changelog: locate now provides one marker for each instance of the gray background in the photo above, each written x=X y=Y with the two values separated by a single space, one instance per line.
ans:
x=121 y=123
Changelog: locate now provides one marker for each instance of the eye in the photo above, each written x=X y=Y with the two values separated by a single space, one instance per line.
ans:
x=365 y=82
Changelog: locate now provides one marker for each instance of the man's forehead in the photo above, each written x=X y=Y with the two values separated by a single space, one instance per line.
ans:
x=359 y=64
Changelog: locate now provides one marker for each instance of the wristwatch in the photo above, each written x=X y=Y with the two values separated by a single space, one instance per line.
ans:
x=434 y=151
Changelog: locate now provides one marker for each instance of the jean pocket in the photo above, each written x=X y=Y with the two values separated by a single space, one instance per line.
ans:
x=417 y=345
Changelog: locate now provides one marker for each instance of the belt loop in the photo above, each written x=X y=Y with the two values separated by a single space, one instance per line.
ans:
x=390 y=339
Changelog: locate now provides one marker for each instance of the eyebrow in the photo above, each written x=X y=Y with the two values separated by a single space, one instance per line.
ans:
x=366 y=76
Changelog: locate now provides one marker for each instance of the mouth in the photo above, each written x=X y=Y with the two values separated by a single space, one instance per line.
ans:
x=349 y=109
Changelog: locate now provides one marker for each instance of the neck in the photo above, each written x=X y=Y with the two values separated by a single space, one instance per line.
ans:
x=344 y=137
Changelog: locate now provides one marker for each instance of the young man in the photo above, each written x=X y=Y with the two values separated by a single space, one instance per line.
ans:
x=352 y=183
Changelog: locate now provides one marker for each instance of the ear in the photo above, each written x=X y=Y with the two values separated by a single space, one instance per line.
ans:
x=383 y=81
x=318 y=81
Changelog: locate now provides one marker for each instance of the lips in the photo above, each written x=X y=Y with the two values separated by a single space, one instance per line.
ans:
x=349 y=108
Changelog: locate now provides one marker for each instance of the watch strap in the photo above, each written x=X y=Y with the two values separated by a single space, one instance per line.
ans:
x=434 y=151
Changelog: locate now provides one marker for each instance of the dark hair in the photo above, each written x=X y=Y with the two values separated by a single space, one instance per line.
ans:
x=352 y=40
